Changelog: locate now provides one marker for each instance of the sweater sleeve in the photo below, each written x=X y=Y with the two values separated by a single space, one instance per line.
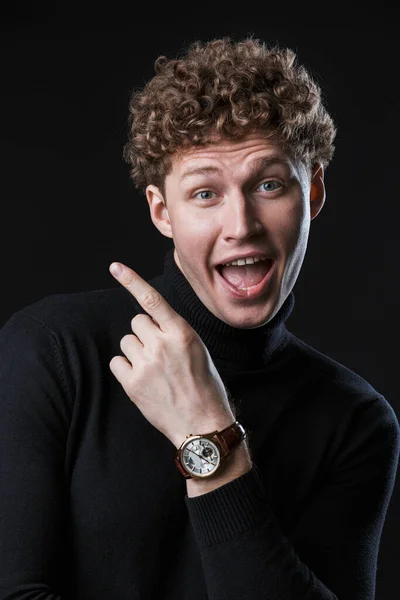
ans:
x=332 y=551
x=33 y=431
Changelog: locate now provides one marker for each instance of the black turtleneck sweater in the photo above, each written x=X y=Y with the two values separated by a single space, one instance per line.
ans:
x=92 y=506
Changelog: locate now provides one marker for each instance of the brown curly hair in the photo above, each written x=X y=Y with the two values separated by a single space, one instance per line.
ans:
x=224 y=89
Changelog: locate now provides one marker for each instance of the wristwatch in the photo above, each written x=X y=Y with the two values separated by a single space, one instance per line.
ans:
x=201 y=455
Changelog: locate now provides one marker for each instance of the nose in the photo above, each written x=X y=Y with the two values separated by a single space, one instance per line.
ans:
x=240 y=218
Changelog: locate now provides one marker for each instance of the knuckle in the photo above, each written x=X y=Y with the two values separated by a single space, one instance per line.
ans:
x=128 y=278
x=186 y=336
x=151 y=299
x=138 y=318
x=124 y=340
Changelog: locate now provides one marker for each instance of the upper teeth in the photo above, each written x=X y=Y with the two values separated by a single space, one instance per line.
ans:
x=244 y=261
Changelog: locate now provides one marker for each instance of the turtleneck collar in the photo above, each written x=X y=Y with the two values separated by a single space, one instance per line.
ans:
x=237 y=348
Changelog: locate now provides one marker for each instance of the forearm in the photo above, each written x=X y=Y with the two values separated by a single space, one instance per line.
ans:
x=243 y=551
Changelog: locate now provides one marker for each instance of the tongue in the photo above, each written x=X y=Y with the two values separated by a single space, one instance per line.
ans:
x=246 y=275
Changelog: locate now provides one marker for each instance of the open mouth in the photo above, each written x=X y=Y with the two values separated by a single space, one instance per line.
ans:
x=247 y=275
x=246 y=281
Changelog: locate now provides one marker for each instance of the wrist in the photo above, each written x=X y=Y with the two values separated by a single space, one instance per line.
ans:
x=237 y=463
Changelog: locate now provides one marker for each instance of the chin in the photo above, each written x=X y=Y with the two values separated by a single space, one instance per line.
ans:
x=247 y=323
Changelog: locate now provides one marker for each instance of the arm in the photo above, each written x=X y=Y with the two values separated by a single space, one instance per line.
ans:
x=33 y=432
x=332 y=552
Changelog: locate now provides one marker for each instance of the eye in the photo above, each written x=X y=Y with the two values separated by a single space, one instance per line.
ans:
x=269 y=186
x=204 y=195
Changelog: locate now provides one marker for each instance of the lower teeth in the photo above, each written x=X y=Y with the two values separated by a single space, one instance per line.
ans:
x=248 y=288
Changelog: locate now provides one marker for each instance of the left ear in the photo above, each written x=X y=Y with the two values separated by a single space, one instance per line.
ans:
x=317 y=190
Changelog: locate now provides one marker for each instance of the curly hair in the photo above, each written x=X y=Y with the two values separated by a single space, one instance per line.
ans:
x=223 y=89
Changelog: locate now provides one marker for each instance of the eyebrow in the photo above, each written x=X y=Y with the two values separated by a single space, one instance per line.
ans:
x=257 y=164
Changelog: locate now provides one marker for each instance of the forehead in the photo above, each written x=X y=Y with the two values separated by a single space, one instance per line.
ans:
x=238 y=155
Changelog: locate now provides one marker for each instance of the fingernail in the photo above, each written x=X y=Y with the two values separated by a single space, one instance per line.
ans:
x=116 y=269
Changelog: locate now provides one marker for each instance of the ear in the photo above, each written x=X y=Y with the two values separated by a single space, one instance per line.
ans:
x=158 y=210
x=317 y=190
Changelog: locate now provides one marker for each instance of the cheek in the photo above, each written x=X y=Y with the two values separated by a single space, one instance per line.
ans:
x=290 y=225
x=192 y=228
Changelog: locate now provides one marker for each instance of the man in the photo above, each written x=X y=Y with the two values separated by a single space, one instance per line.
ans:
x=220 y=456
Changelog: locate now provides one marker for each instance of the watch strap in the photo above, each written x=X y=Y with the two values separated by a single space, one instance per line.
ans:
x=230 y=437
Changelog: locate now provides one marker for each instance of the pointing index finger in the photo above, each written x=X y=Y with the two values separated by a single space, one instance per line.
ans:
x=148 y=297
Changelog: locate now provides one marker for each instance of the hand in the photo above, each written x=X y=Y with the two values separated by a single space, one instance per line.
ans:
x=168 y=372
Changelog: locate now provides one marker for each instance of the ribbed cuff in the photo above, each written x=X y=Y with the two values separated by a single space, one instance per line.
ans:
x=229 y=510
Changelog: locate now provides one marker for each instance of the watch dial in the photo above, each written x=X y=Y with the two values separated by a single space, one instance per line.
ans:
x=200 y=457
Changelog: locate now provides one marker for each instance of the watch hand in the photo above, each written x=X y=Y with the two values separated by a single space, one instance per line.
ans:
x=200 y=456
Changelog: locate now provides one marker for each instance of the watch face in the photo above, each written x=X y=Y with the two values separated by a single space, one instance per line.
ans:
x=200 y=457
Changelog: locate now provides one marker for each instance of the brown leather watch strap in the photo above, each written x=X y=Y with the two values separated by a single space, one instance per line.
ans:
x=230 y=437
x=181 y=469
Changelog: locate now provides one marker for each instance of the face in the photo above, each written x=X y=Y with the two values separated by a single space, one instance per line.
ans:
x=238 y=197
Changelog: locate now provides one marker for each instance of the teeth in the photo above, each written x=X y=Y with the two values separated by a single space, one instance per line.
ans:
x=244 y=261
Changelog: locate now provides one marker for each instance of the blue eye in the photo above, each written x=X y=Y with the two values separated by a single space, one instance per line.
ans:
x=275 y=185
x=203 y=195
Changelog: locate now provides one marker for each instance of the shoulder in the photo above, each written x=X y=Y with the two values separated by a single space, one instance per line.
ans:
x=76 y=328
x=77 y=314
x=66 y=337
x=341 y=392
x=358 y=424
x=70 y=334
x=326 y=372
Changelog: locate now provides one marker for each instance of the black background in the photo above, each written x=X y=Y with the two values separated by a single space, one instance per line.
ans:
x=69 y=208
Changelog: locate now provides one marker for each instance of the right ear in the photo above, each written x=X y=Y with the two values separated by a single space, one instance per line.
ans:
x=158 y=210
x=317 y=190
